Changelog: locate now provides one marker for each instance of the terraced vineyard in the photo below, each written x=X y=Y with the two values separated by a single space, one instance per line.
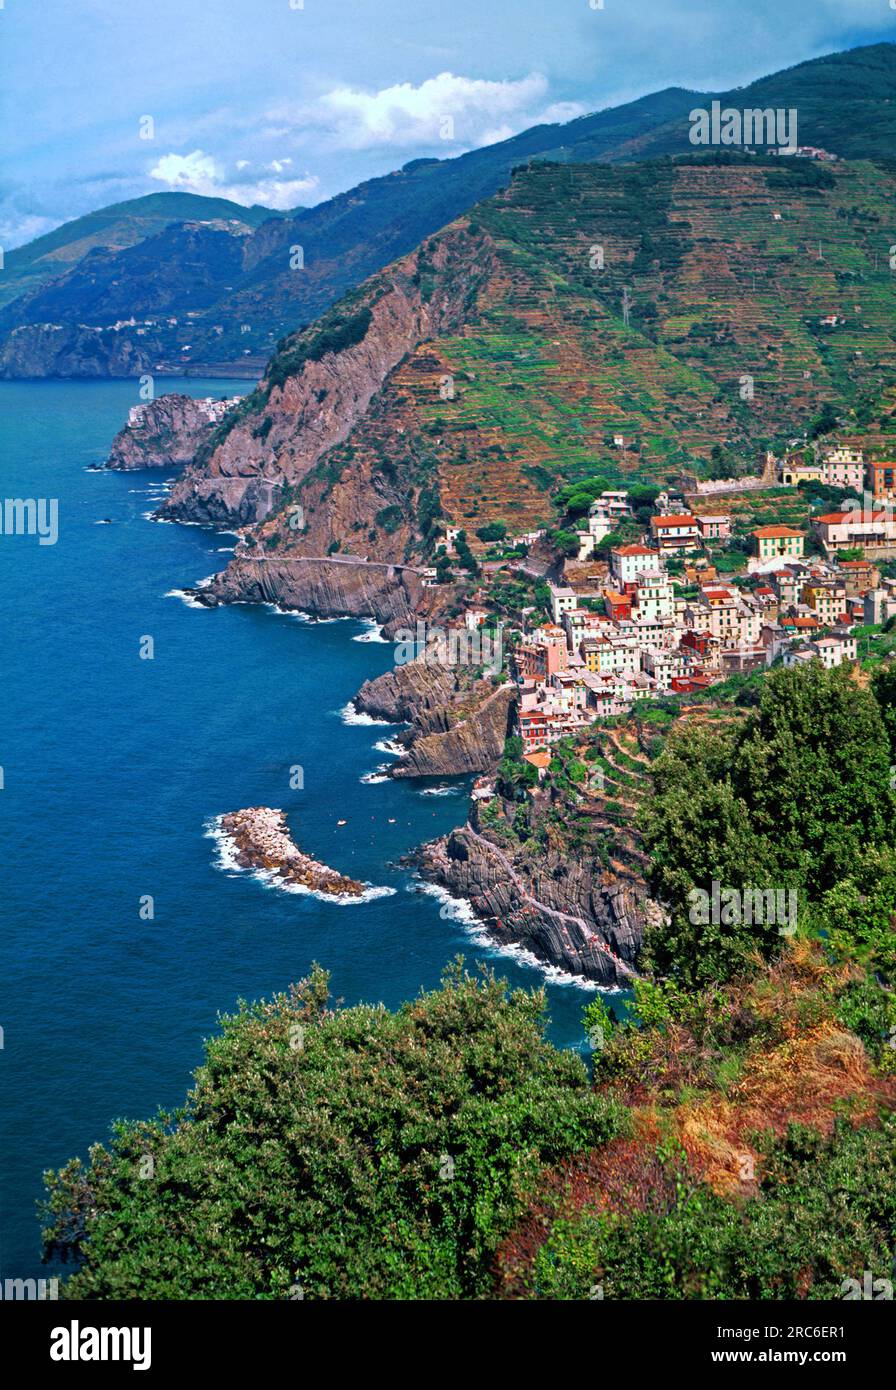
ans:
x=725 y=273
x=548 y=372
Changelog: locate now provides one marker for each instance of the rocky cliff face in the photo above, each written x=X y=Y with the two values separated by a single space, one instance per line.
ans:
x=568 y=912
x=301 y=413
x=41 y=350
x=458 y=720
x=328 y=588
x=473 y=744
x=165 y=434
x=417 y=693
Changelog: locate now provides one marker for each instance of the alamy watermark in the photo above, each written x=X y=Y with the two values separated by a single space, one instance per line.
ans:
x=456 y=646
x=717 y=126
x=31 y=516
x=868 y=1288
x=28 y=1290
x=734 y=907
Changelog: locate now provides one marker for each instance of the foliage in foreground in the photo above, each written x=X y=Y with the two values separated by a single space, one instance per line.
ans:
x=796 y=798
x=825 y=1212
x=347 y=1154
x=759 y=1161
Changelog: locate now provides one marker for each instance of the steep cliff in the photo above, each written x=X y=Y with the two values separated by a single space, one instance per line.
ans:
x=418 y=692
x=473 y=744
x=559 y=866
x=459 y=720
x=570 y=912
x=322 y=381
x=327 y=587
x=164 y=433
x=469 y=379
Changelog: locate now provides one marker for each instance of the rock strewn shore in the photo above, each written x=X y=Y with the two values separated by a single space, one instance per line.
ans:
x=261 y=839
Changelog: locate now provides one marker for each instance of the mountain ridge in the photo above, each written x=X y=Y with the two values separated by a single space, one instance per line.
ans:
x=353 y=235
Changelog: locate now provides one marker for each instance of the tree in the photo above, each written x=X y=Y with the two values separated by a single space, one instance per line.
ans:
x=567 y=542
x=858 y=915
x=465 y=554
x=788 y=802
x=884 y=686
x=349 y=1153
x=813 y=762
x=492 y=531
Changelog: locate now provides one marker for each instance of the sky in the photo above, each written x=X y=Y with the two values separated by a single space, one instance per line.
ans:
x=287 y=102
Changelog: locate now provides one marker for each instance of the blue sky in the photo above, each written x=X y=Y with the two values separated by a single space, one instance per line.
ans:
x=262 y=102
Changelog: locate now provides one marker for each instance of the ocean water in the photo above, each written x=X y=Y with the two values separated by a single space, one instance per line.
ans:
x=114 y=768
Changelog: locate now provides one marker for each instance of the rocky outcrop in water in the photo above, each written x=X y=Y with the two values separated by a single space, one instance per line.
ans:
x=165 y=433
x=260 y=839
x=459 y=721
x=474 y=744
x=569 y=912
x=330 y=587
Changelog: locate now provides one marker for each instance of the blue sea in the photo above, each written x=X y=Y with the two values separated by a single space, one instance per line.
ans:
x=114 y=768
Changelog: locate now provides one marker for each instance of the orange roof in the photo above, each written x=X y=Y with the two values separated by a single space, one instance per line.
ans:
x=540 y=758
x=635 y=550
x=775 y=532
x=660 y=522
x=857 y=516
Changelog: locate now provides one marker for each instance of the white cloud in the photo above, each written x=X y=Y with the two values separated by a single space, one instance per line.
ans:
x=404 y=116
x=188 y=171
x=446 y=113
x=16 y=231
x=198 y=172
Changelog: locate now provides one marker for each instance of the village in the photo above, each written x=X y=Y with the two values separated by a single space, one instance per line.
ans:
x=662 y=615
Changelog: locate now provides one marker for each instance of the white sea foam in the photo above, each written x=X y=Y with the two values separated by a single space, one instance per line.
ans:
x=373 y=632
x=297 y=614
x=459 y=910
x=188 y=599
x=389 y=745
x=441 y=790
x=372 y=778
x=227 y=861
x=349 y=715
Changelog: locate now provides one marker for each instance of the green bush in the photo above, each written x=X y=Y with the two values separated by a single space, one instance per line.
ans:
x=355 y=1153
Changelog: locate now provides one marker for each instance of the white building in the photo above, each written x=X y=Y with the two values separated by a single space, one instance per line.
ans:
x=630 y=561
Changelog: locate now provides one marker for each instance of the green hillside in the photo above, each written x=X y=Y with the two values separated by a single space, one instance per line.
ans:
x=730 y=269
x=115 y=227
x=845 y=103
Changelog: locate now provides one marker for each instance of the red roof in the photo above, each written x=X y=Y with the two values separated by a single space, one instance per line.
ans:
x=635 y=550
x=660 y=523
x=858 y=516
